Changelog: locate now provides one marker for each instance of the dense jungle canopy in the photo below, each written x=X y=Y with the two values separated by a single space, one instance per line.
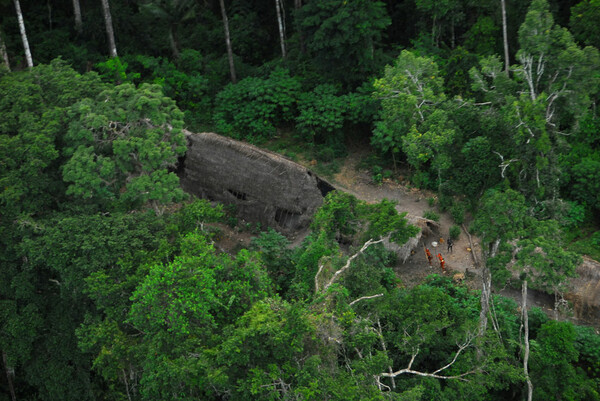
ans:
x=113 y=281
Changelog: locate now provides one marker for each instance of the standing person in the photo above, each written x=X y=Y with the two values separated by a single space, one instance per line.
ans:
x=450 y=243
x=442 y=262
x=429 y=257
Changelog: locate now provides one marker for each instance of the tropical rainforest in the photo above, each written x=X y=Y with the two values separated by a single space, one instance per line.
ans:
x=112 y=282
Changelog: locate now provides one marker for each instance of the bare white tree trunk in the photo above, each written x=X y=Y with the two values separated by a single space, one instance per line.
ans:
x=23 y=34
x=505 y=37
x=9 y=376
x=110 y=33
x=173 y=43
x=77 y=13
x=486 y=288
x=281 y=25
x=228 y=41
x=3 y=52
x=526 y=340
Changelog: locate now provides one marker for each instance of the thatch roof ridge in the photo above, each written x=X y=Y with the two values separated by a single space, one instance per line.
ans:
x=247 y=149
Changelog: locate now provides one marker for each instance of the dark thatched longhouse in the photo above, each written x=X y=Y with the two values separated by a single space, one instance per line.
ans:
x=264 y=186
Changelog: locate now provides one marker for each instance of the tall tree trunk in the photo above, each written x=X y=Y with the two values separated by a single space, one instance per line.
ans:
x=49 y=13
x=173 y=43
x=110 y=34
x=23 y=34
x=486 y=289
x=9 y=376
x=281 y=25
x=505 y=38
x=526 y=340
x=3 y=52
x=228 y=41
x=77 y=13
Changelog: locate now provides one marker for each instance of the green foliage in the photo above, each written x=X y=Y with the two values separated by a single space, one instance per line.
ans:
x=482 y=37
x=586 y=182
x=552 y=365
x=35 y=108
x=114 y=71
x=454 y=232
x=254 y=107
x=193 y=215
x=431 y=215
x=501 y=215
x=408 y=91
x=582 y=22
x=343 y=37
x=182 y=80
x=321 y=113
x=276 y=256
x=120 y=146
x=458 y=212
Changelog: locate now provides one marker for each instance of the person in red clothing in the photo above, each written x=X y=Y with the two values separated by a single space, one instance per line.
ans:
x=429 y=257
x=442 y=262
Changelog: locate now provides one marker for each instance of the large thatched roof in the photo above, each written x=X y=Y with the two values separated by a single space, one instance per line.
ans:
x=265 y=187
x=584 y=291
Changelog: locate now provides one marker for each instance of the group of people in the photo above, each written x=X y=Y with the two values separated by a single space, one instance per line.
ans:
x=450 y=243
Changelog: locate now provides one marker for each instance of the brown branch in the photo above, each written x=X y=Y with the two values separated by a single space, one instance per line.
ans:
x=472 y=247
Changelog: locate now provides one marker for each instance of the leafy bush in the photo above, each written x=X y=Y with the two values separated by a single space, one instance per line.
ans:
x=458 y=213
x=423 y=180
x=114 y=71
x=445 y=202
x=252 y=108
x=321 y=113
x=377 y=175
x=454 y=232
x=431 y=215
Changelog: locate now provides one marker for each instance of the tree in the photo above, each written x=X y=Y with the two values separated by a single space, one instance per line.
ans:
x=505 y=38
x=173 y=13
x=440 y=11
x=228 y=41
x=539 y=259
x=77 y=15
x=342 y=37
x=110 y=34
x=544 y=101
x=281 y=25
x=3 y=52
x=411 y=119
x=28 y=57
x=582 y=22
x=120 y=148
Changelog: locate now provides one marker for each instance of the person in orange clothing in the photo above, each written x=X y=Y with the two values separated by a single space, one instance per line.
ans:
x=442 y=262
x=429 y=257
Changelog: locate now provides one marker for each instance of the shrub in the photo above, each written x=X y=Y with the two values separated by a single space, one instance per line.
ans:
x=458 y=213
x=423 y=180
x=321 y=113
x=454 y=232
x=252 y=108
x=445 y=202
x=431 y=215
